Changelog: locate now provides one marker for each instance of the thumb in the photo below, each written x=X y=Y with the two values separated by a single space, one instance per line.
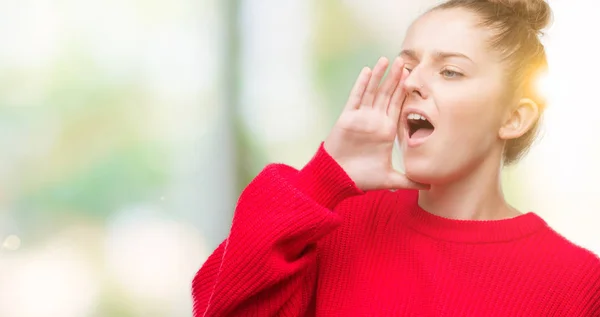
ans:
x=397 y=180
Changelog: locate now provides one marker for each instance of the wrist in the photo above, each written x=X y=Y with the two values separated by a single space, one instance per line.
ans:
x=325 y=180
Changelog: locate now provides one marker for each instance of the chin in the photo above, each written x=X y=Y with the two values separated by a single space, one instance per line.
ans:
x=418 y=170
x=424 y=171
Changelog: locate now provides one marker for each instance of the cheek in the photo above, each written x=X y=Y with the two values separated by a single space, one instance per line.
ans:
x=471 y=118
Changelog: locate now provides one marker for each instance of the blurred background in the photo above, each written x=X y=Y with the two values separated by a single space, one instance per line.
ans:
x=129 y=127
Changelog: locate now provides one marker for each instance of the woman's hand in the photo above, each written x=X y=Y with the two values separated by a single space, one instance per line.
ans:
x=362 y=139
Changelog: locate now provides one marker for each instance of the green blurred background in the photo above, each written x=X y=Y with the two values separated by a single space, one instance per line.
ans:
x=128 y=129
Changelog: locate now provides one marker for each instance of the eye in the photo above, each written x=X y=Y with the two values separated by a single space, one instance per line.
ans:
x=408 y=69
x=450 y=74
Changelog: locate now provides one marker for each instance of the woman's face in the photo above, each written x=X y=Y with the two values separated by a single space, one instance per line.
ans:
x=457 y=83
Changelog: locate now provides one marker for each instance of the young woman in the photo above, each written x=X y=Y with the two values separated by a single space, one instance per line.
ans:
x=332 y=239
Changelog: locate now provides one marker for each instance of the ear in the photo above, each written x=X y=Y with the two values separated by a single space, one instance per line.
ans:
x=520 y=119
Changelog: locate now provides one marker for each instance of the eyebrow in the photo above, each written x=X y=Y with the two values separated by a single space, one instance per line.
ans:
x=438 y=55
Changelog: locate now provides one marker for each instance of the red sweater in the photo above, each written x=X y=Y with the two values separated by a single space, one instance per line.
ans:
x=308 y=242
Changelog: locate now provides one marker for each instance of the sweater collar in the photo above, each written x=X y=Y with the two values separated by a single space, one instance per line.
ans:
x=467 y=231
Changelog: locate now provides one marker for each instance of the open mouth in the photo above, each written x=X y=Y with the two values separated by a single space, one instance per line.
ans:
x=418 y=126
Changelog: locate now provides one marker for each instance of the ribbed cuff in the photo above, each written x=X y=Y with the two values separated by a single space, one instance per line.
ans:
x=325 y=181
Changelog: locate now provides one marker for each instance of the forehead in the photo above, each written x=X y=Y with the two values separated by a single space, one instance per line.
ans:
x=449 y=30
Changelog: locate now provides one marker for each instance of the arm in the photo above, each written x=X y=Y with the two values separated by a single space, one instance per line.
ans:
x=267 y=265
x=584 y=294
x=594 y=310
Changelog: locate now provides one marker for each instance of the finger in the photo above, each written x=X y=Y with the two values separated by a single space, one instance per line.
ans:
x=395 y=105
x=378 y=72
x=400 y=181
x=357 y=92
x=385 y=92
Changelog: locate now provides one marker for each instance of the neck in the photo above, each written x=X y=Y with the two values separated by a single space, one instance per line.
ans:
x=475 y=196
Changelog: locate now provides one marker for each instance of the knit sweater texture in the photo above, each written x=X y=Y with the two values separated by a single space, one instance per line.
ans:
x=310 y=243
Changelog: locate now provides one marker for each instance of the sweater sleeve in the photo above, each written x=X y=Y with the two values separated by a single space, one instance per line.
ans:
x=267 y=265
x=585 y=295
x=594 y=304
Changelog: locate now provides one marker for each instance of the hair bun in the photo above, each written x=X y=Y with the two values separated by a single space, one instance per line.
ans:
x=537 y=13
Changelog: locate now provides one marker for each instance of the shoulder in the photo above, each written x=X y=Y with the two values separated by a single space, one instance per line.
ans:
x=369 y=214
x=569 y=253
x=377 y=204
x=576 y=269
x=363 y=218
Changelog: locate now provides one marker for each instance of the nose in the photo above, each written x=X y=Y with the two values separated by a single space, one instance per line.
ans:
x=415 y=85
